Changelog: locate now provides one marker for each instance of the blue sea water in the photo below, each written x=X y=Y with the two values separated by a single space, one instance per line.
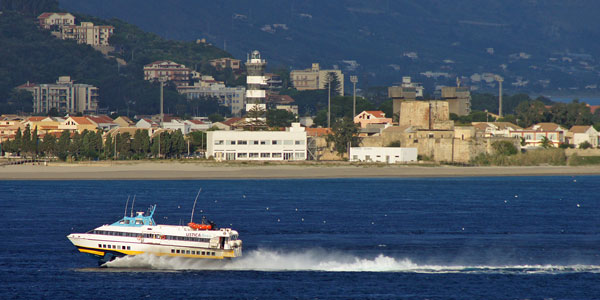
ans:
x=443 y=238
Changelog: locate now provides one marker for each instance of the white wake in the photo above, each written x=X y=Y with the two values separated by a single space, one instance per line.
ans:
x=320 y=260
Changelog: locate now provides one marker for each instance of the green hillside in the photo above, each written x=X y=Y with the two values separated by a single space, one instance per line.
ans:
x=31 y=54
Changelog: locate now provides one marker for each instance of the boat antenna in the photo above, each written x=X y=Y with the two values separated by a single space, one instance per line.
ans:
x=194 y=207
x=126 y=203
x=132 y=204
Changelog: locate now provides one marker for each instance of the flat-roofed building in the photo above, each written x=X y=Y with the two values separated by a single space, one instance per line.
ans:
x=65 y=96
x=168 y=70
x=458 y=98
x=225 y=62
x=88 y=33
x=316 y=79
x=258 y=145
x=232 y=97
x=389 y=155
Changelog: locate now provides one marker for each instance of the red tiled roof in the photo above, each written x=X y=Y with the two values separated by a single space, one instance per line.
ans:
x=318 y=131
x=231 y=121
x=100 y=119
x=26 y=85
x=198 y=122
x=82 y=121
x=34 y=119
x=544 y=127
x=280 y=99
x=376 y=113
x=593 y=108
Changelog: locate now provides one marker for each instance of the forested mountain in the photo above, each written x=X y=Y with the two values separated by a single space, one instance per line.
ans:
x=32 y=54
x=548 y=46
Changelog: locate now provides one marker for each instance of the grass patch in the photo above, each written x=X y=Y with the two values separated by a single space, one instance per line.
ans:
x=554 y=157
x=576 y=160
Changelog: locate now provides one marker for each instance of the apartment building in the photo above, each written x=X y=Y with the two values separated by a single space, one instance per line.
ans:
x=51 y=20
x=225 y=62
x=65 y=96
x=88 y=33
x=315 y=79
x=168 y=70
x=232 y=97
x=258 y=145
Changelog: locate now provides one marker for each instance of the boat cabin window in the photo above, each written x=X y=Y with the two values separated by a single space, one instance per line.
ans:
x=124 y=222
x=138 y=222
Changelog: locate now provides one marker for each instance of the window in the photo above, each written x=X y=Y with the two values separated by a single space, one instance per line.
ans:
x=219 y=142
x=253 y=155
x=128 y=247
x=355 y=157
x=230 y=142
x=177 y=251
x=275 y=142
x=187 y=251
x=103 y=246
x=242 y=142
x=99 y=245
x=203 y=253
x=299 y=155
x=276 y=155
x=265 y=155
x=193 y=252
x=242 y=155
x=299 y=142
x=255 y=142
x=288 y=142
x=264 y=142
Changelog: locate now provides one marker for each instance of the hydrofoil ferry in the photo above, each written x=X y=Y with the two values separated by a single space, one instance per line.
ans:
x=140 y=234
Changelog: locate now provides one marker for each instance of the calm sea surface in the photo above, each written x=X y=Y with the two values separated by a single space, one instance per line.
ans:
x=449 y=238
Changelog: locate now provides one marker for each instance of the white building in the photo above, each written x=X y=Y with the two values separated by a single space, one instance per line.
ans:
x=388 y=155
x=582 y=133
x=258 y=145
x=174 y=124
x=232 y=97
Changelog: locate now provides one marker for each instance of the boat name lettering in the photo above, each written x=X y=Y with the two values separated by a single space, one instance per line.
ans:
x=193 y=234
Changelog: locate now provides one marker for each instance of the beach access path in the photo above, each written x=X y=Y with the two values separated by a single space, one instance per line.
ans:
x=203 y=170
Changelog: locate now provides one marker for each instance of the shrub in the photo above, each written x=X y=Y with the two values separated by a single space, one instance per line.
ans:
x=585 y=145
x=394 y=144
x=504 y=148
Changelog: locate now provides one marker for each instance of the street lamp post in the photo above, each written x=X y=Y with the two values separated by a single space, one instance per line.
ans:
x=354 y=80
x=329 y=101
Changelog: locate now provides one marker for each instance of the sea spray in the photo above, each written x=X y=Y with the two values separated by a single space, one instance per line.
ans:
x=320 y=260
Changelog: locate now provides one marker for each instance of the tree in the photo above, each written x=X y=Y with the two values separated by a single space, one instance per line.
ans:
x=545 y=143
x=529 y=113
x=49 y=145
x=18 y=141
x=215 y=118
x=344 y=134
x=280 y=118
x=62 y=147
x=178 y=144
x=333 y=80
x=197 y=140
x=26 y=141
x=35 y=147
x=256 y=113
x=108 y=147
x=504 y=148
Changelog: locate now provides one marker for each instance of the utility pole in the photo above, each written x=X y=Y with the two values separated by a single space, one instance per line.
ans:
x=162 y=84
x=115 y=144
x=354 y=80
x=500 y=80
x=329 y=101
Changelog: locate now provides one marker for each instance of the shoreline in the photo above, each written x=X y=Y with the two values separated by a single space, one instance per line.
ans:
x=215 y=171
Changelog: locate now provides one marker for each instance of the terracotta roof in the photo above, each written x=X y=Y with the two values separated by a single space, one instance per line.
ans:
x=231 y=121
x=82 y=121
x=544 y=127
x=100 y=119
x=34 y=119
x=280 y=99
x=318 y=131
x=579 y=128
x=376 y=113
x=197 y=122
x=593 y=108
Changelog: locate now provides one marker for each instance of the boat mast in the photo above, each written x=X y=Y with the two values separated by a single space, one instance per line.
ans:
x=194 y=207
x=132 y=204
x=126 y=203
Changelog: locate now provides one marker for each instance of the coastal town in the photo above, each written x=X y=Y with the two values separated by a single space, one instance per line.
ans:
x=68 y=123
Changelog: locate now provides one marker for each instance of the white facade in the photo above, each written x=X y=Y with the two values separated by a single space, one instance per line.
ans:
x=388 y=155
x=257 y=145
x=182 y=126
x=232 y=97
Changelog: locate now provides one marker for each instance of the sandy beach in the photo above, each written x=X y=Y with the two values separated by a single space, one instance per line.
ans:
x=192 y=170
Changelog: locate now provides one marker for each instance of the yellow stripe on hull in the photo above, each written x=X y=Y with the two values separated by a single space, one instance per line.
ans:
x=101 y=252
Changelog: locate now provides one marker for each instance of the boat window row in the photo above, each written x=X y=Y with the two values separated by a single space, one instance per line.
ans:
x=193 y=252
x=152 y=236
x=118 y=247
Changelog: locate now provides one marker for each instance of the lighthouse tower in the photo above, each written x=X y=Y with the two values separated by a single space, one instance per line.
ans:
x=256 y=83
